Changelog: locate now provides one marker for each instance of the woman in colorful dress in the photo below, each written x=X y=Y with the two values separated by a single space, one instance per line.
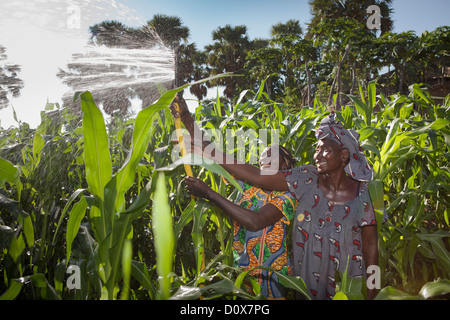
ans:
x=260 y=220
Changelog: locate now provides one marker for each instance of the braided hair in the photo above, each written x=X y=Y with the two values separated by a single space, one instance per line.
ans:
x=285 y=154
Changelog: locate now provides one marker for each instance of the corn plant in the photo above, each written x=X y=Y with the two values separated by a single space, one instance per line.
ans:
x=407 y=140
x=106 y=197
x=34 y=200
x=110 y=220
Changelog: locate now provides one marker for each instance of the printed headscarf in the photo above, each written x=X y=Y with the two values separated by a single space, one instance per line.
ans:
x=358 y=166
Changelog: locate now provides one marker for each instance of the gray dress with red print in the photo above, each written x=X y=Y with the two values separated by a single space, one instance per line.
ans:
x=325 y=236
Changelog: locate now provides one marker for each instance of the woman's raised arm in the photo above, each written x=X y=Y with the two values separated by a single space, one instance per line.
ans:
x=241 y=170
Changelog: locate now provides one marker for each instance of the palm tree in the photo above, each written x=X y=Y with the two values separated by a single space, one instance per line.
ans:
x=9 y=81
x=192 y=66
x=227 y=55
x=354 y=9
x=170 y=29
x=285 y=35
x=291 y=27
x=115 y=77
x=112 y=34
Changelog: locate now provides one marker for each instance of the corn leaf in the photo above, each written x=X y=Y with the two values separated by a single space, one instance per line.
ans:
x=143 y=128
x=390 y=293
x=435 y=288
x=96 y=151
x=13 y=291
x=73 y=225
x=8 y=172
x=140 y=273
x=97 y=160
x=163 y=234
x=122 y=231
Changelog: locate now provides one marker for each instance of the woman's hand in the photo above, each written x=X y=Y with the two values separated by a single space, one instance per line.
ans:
x=369 y=237
x=198 y=143
x=197 y=187
x=183 y=110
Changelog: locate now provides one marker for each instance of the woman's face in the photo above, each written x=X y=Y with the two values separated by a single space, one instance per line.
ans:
x=329 y=156
x=269 y=162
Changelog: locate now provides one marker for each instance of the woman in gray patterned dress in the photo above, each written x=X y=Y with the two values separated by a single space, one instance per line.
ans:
x=335 y=224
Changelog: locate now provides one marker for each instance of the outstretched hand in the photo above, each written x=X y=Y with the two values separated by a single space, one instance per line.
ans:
x=196 y=187
x=198 y=144
x=183 y=109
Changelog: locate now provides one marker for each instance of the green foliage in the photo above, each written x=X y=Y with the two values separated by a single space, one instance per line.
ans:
x=164 y=239
x=118 y=210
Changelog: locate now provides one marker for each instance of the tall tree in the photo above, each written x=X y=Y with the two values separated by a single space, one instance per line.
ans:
x=115 y=34
x=291 y=27
x=399 y=49
x=127 y=67
x=354 y=9
x=307 y=53
x=192 y=66
x=170 y=29
x=227 y=55
x=284 y=36
x=10 y=83
x=287 y=60
x=434 y=49
x=414 y=58
x=337 y=38
x=340 y=27
x=264 y=64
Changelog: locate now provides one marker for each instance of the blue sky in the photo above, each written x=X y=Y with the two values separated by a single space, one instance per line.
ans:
x=203 y=16
x=36 y=33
